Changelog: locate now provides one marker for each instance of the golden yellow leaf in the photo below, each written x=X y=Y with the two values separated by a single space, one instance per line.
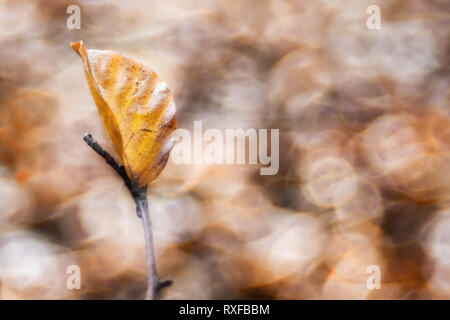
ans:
x=136 y=108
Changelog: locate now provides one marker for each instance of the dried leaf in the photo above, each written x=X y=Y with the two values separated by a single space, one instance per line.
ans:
x=136 y=108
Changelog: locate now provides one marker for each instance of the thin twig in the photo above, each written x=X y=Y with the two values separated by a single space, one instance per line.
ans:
x=153 y=280
x=112 y=162
x=154 y=284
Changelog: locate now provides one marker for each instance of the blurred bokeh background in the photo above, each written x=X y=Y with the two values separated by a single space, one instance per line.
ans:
x=364 y=177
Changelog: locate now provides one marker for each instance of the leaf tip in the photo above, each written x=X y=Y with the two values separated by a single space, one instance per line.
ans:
x=78 y=47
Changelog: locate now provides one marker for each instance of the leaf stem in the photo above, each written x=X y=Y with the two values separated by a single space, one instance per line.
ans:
x=154 y=284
